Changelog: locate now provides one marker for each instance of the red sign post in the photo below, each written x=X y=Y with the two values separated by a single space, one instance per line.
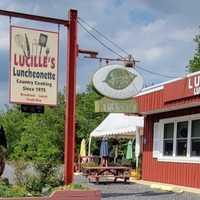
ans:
x=72 y=53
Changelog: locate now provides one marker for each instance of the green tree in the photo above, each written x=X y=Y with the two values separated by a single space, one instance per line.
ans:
x=35 y=136
x=40 y=137
x=13 y=122
x=194 y=63
x=86 y=117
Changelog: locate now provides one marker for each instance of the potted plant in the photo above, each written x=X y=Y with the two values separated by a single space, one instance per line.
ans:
x=136 y=173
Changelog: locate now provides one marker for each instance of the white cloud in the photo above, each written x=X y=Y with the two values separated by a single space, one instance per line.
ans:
x=155 y=26
x=164 y=43
x=184 y=35
x=153 y=53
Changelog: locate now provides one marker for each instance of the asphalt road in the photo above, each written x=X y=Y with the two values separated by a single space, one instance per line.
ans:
x=131 y=191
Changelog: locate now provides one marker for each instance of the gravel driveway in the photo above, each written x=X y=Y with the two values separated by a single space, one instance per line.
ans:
x=131 y=191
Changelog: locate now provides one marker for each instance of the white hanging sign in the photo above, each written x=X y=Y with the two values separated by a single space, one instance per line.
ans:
x=117 y=81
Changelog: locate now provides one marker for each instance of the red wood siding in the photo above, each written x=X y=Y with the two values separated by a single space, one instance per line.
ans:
x=184 y=174
x=151 y=101
x=155 y=102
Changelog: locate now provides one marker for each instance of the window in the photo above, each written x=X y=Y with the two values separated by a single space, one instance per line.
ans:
x=168 y=139
x=178 y=139
x=181 y=138
x=195 y=138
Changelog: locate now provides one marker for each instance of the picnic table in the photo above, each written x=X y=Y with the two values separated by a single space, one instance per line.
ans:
x=95 y=173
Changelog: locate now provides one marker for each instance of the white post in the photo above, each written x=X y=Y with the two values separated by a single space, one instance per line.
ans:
x=116 y=153
x=89 y=146
x=137 y=146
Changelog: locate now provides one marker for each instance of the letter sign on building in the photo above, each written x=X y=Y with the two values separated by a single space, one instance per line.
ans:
x=187 y=87
x=33 y=66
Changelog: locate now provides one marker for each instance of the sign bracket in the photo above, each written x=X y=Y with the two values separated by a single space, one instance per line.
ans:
x=34 y=17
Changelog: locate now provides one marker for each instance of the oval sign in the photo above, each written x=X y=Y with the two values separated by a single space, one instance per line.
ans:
x=117 y=81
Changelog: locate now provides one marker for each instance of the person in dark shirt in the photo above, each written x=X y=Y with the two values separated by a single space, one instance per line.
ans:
x=3 y=147
x=3 y=141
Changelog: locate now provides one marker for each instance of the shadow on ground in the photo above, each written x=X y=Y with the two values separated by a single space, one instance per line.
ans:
x=112 y=182
x=147 y=193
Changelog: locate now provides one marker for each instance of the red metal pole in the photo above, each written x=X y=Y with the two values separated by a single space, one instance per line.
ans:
x=34 y=17
x=72 y=53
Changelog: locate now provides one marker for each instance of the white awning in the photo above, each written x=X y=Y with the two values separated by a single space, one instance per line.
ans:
x=118 y=125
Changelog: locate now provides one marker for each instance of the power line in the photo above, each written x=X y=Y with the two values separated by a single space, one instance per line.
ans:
x=105 y=37
x=155 y=73
x=110 y=49
x=107 y=47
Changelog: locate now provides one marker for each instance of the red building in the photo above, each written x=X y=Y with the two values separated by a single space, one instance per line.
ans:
x=171 y=149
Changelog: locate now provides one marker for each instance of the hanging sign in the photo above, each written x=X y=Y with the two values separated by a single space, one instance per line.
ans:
x=117 y=81
x=33 y=66
x=116 y=106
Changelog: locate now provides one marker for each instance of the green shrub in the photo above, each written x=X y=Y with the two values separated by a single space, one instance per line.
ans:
x=34 y=185
x=12 y=191
x=54 y=181
x=19 y=191
x=45 y=170
x=46 y=178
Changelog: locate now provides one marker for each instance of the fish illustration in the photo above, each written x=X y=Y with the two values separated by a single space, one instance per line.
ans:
x=119 y=78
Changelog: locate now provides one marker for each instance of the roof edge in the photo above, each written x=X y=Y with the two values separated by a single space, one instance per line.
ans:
x=160 y=86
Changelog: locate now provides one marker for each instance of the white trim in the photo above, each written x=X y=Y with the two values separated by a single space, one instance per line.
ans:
x=189 y=138
x=179 y=159
x=174 y=140
x=182 y=118
x=156 y=140
x=149 y=91
x=193 y=74
x=161 y=129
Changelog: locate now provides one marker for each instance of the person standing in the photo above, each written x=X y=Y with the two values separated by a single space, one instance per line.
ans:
x=3 y=147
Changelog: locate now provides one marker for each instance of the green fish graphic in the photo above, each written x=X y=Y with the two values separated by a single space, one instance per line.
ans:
x=119 y=78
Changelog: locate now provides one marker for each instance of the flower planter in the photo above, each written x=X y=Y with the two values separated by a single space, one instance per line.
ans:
x=135 y=174
x=64 y=195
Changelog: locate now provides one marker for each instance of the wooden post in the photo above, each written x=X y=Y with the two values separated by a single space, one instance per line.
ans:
x=72 y=52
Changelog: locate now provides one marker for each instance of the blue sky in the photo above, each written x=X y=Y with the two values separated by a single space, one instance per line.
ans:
x=158 y=33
